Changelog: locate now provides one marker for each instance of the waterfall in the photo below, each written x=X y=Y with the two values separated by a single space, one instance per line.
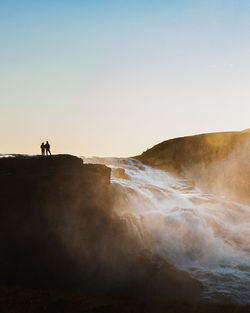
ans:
x=203 y=234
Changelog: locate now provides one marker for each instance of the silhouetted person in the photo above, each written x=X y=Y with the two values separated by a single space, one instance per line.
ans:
x=47 y=148
x=43 y=148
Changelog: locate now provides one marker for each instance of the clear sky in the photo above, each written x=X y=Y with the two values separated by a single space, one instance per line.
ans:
x=113 y=78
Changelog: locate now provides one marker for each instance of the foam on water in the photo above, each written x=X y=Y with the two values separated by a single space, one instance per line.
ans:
x=206 y=235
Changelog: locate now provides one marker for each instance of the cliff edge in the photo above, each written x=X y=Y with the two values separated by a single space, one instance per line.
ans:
x=43 y=200
x=58 y=230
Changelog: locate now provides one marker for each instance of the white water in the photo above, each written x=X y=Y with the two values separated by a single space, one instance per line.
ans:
x=203 y=234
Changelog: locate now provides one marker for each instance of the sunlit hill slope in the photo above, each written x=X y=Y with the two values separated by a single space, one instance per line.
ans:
x=217 y=162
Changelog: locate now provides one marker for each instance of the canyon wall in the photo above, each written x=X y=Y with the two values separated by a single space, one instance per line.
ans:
x=58 y=230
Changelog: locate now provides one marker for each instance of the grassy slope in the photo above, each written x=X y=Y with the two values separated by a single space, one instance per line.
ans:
x=217 y=161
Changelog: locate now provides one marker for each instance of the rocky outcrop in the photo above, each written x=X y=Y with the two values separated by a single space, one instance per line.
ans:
x=43 y=202
x=58 y=229
x=217 y=162
x=119 y=173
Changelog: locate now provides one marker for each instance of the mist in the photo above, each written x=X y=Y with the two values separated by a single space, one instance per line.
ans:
x=202 y=233
x=60 y=229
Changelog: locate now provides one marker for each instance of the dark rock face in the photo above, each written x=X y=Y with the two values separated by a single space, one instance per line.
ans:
x=23 y=300
x=219 y=162
x=38 y=194
x=58 y=229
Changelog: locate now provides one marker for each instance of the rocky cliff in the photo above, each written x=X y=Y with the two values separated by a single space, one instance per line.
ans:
x=58 y=230
x=217 y=162
x=43 y=201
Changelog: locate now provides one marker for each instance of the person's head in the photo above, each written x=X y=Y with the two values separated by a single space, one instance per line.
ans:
x=47 y=142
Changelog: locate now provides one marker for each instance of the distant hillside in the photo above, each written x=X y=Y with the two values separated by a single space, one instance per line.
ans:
x=218 y=162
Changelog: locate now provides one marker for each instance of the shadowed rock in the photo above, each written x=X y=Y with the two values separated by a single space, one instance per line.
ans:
x=58 y=229
x=119 y=173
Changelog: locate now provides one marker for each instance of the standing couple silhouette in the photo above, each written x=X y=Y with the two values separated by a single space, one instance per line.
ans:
x=45 y=148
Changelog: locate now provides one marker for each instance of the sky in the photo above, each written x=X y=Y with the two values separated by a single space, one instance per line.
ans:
x=113 y=78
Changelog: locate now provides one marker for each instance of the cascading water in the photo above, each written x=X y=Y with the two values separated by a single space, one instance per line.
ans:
x=206 y=235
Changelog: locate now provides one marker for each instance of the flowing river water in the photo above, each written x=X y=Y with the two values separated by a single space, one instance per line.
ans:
x=203 y=234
